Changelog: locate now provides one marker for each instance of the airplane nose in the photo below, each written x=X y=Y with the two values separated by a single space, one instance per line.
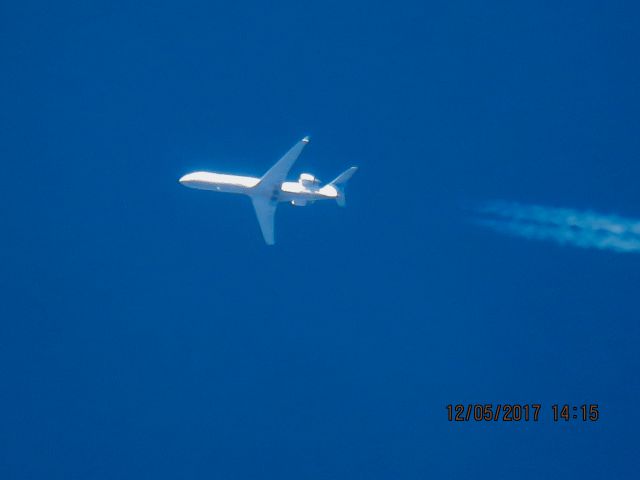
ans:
x=184 y=179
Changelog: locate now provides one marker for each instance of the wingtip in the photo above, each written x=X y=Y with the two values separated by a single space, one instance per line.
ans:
x=306 y=139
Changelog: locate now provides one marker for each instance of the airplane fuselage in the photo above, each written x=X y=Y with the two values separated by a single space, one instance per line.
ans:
x=288 y=191
x=272 y=188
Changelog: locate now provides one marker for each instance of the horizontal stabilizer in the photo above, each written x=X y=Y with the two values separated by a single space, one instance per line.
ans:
x=344 y=176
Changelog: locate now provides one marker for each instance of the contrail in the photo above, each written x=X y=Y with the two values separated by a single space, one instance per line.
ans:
x=566 y=226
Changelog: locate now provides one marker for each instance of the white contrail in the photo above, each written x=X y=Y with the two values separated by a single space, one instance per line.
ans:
x=562 y=225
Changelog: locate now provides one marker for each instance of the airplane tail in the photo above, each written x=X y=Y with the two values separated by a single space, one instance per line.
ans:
x=340 y=182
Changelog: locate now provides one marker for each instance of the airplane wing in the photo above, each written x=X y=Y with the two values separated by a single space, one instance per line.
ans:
x=270 y=183
x=266 y=212
x=278 y=173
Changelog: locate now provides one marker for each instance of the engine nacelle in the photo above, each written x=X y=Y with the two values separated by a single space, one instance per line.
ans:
x=298 y=203
x=308 y=181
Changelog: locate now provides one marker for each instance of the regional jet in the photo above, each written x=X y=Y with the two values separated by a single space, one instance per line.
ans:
x=266 y=192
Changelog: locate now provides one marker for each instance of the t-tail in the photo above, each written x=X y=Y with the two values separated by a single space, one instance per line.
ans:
x=340 y=182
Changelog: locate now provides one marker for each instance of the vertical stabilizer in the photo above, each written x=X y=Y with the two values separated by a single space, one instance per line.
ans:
x=340 y=182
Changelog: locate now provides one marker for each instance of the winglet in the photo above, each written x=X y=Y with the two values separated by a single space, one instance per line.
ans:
x=306 y=139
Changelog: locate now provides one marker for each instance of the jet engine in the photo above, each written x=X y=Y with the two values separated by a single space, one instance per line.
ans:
x=298 y=203
x=308 y=181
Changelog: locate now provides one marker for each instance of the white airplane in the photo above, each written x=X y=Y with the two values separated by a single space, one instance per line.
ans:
x=268 y=191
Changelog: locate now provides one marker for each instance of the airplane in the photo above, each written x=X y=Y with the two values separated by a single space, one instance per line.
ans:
x=270 y=189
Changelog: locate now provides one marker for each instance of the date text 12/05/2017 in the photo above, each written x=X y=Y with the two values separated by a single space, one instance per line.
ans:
x=521 y=412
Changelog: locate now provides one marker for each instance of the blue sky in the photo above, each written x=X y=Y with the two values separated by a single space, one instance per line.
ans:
x=147 y=332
